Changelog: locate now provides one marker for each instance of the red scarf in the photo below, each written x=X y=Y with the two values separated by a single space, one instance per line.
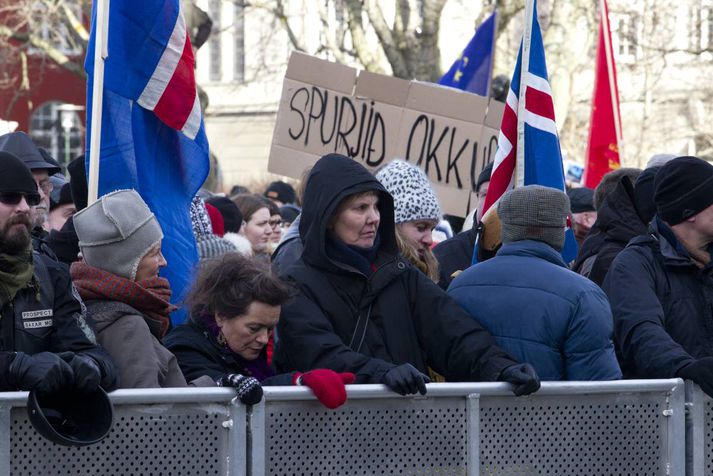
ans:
x=148 y=296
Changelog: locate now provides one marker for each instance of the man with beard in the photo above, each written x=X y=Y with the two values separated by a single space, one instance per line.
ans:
x=45 y=340
x=42 y=165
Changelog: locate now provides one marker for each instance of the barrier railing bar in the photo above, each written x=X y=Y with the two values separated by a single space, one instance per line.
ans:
x=145 y=396
x=695 y=430
x=485 y=389
x=677 y=430
x=5 y=435
x=237 y=427
x=472 y=411
x=256 y=465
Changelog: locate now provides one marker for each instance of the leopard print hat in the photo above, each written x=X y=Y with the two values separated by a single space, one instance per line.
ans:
x=414 y=198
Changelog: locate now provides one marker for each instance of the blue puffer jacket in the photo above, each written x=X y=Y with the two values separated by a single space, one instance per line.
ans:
x=541 y=312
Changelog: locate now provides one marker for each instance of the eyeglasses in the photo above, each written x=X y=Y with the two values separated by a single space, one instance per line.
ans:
x=46 y=186
x=13 y=198
x=275 y=223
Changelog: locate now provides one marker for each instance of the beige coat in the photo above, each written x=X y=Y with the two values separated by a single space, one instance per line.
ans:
x=142 y=361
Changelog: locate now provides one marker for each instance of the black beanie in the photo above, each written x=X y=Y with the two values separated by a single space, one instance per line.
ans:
x=232 y=218
x=683 y=188
x=15 y=176
x=581 y=199
x=484 y=176
x=644 y=194
x=78 y=182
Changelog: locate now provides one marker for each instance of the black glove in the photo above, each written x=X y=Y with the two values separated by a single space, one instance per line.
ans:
x=701 y=372
x=523 y=376
x=406 y=379
x=87 y=375
x=248 y=388
x=45 y=372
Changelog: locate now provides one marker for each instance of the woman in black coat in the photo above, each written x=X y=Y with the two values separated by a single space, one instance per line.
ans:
x=362 y=308
x=235 y=306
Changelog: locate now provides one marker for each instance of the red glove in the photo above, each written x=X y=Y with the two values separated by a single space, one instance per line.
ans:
x=327 y=385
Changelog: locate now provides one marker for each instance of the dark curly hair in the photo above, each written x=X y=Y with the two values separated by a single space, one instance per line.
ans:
x=227 y=286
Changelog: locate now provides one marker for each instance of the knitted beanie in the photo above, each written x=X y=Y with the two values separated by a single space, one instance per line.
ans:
x=414 y=198
x=534 y=212
x=216 y=220
x=116 y=231
x=232 y=218
x=15 y=176
x=200 y=221
x=683 y=188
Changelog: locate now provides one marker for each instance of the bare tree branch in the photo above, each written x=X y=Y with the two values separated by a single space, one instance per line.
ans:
x=52 y=53
x=386 y=38
x=359 y=40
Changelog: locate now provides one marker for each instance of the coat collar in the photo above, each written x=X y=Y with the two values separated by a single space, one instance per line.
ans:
x=532 y=248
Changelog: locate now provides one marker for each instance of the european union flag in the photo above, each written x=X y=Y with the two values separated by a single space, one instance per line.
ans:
x=471 y=72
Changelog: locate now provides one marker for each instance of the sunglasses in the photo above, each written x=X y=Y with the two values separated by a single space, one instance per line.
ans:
x=14 y=198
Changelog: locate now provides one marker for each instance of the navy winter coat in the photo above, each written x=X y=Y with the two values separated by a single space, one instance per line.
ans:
x=541 y=312
x=662 y=305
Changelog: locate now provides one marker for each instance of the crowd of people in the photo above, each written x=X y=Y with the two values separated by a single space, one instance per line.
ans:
x=342 y=282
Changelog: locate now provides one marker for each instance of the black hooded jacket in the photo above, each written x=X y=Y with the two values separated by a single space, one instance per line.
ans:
x=347 y=321
x=662 y=305
x=618 y=222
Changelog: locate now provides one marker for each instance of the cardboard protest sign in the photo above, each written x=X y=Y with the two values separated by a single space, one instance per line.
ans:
x=326 y=107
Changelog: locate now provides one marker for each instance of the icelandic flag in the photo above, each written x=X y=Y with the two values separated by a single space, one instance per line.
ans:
x=152 y=137
x=472 y=70
x=541 y=163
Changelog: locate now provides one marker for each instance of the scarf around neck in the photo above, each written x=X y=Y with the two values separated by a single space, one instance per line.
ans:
x=148 y=296
x=15 y=273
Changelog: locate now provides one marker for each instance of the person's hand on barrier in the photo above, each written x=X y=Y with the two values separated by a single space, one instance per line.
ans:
x=87 y=374
x=701 y=372
x=523 y=376
x=45 y=372
x=327 y=385
x=405 y=379
x=248 y=389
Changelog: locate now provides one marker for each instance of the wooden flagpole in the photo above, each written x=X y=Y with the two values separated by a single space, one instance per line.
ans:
x=100 y=55
x=524 y=71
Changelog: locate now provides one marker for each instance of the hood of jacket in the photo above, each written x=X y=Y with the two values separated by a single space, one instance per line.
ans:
x=333 y=178
x=617 y=218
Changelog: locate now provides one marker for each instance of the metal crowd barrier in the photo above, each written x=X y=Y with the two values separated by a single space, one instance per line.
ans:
x=699 y=431
x=624 y=427
x=171 y=432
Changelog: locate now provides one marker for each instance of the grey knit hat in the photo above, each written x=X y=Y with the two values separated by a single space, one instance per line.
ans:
x=116 y=231
x=534 y=212
x=413 y=196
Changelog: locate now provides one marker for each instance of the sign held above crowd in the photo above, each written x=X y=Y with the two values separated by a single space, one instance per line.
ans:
x=373 y=118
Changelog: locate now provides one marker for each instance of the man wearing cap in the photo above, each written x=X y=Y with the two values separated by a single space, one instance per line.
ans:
x=583 y=212
x=538 y=310
x=456 y=254
x=45 y=341
x=661 y=285
x=20 y=145
x=281 y=193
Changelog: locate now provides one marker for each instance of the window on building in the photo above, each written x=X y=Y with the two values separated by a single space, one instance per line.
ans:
x=58 y=128
x=701 y=28
x=239 y=42
x=216 y=53
x=627 y=34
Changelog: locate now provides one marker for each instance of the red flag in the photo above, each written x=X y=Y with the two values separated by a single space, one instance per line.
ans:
x=605 y=125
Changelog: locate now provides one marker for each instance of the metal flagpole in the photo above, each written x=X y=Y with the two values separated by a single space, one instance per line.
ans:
x=100 y=54
x=524 y=72
x=610 y=74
